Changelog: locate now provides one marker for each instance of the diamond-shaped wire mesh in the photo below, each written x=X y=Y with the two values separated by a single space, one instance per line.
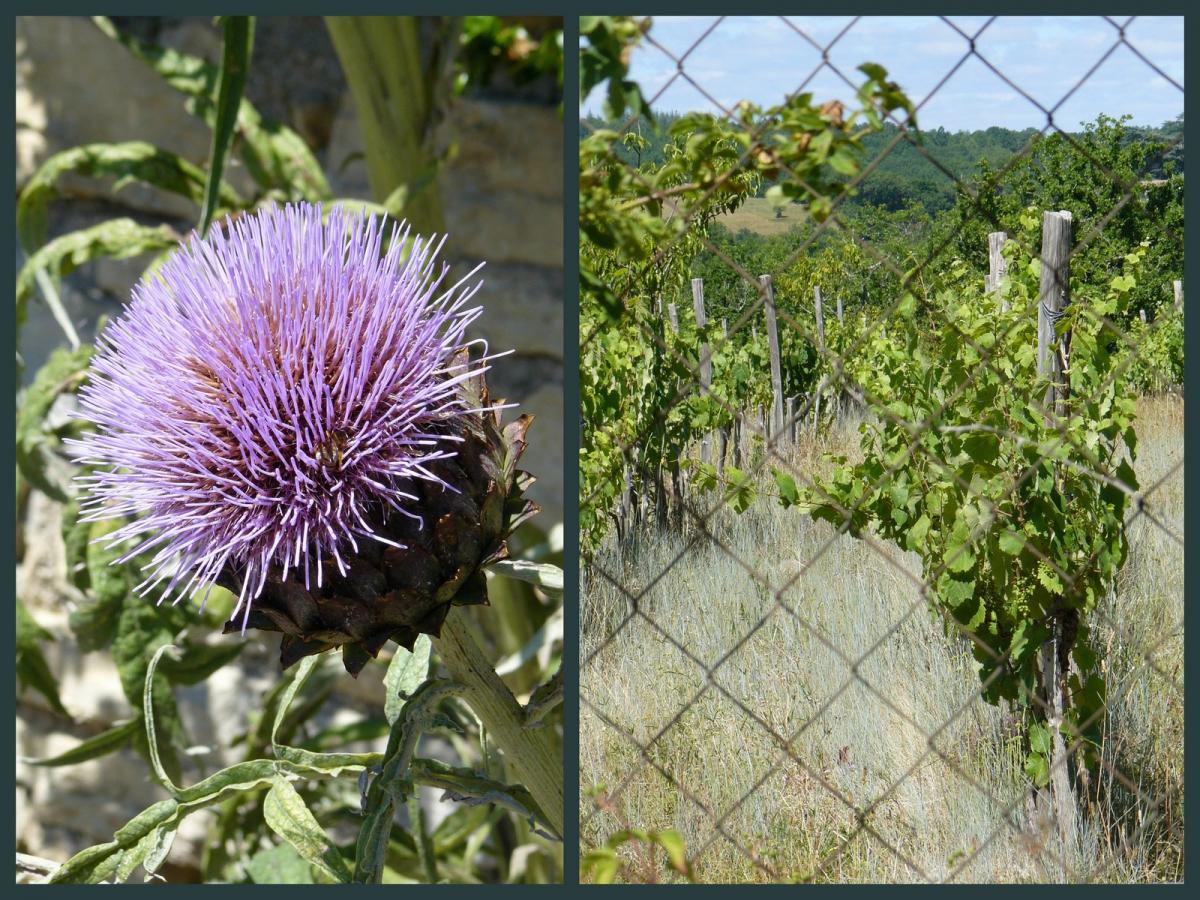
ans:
x=787 y=697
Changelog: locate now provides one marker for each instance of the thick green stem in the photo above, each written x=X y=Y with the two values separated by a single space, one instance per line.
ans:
x=395 y=97
x=530 y=753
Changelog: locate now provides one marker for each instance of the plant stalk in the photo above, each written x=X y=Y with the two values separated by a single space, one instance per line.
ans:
x=530 y=753
x=395 y=97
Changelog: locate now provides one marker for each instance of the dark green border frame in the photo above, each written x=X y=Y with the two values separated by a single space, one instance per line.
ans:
x=571 y=427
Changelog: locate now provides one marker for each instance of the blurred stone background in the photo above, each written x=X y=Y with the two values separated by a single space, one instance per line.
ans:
x=502 y=197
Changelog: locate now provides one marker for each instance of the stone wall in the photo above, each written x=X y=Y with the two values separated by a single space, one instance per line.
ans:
x=502 y=196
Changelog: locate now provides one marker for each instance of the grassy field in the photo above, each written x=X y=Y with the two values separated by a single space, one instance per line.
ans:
x=930 y=817
x=757 y=215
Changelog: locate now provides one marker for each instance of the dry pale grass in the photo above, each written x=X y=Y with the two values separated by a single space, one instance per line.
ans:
x=959 y=812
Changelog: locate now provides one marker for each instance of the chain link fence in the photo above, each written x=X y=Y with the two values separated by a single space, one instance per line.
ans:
x=775 y=690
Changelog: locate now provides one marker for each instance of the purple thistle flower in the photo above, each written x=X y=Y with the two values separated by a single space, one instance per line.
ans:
x=271 y=391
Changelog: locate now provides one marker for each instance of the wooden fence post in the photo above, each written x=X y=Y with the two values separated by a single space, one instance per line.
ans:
x=776 y=367
x=705 y=360
x=739 y=428
x=1053 y=298
x=1179 y=295
x=723 y=432
x=997 y=266
x=842 y=399
x=677 y=485
x=819 y=312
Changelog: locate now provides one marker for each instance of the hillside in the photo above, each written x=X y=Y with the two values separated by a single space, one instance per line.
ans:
x=906 y=175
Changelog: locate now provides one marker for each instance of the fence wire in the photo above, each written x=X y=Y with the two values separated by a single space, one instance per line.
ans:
x=866 y=826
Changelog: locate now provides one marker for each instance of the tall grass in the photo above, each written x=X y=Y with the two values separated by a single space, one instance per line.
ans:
x=961 y=812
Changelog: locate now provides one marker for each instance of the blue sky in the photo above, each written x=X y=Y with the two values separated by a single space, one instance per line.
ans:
x=761 y=59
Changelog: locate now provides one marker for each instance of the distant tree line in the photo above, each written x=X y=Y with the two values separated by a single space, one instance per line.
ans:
x=907 y=176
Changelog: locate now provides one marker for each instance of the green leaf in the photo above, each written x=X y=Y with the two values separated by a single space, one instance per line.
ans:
x=309 y=761
x=983 y=448
x=1039 y=738
x=94 y=624
x=542 y=575
x=274 y=155
x=300 y=676
x=548 y=635
x=114 y=239
x=1049 y=579
x=279 y=865
x=469 y=787
x=144 y=633
x=236 y=779
x=32 y=668
x=130 y=161
x=104 y=743
x=1037 y=768
x=874 y=71
x=704 y=476
x=75 y=541
x=740 y=493
x=95 y=864
x=959 y=557
x=788 y=494
x=915 y=539
x=197 y=662
x=160 y=845
x=600 y=865
x=148 y=716
x=63 y=372
x=954 y=592
x=406 y=672
x=844 y=163
x=672 y=845
x=1011 y=542
x=289 y=817
x=231 y=82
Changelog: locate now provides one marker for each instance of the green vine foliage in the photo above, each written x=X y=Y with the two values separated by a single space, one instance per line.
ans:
x=1018 y=517
x=641 y=227
x=1155 y=352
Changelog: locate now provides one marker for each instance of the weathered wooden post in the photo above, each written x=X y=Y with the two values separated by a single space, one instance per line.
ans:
x=819 y=311
x=623 y=505
x=1054 y=297
x=705 y=360
x=677 y=486
x=1179 y=295
x=776 y=367
x=997 y=266
x=739 y=427
x=841 y=393
x=790 y=412
x=723 y=432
